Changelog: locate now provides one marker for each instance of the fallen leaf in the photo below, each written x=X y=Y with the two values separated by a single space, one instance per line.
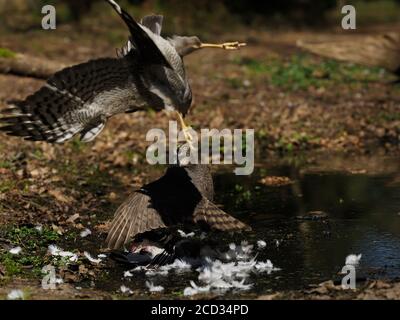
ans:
x=60 y=196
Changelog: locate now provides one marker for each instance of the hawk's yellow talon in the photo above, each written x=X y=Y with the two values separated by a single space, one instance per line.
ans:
x=185 y=129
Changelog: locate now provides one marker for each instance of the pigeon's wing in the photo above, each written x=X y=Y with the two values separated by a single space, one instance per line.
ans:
x=162 y=259
x=144 y=46
x=78 y=99
x=153 y=23
x=208 y=213
x=134 y=216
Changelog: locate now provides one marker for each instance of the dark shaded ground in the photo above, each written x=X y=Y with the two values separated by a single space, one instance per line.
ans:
x=304 y=110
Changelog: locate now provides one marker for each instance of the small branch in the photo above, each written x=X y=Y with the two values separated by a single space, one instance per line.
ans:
x=376 y=51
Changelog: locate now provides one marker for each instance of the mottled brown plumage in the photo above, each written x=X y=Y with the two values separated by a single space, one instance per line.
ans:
x=183 y=195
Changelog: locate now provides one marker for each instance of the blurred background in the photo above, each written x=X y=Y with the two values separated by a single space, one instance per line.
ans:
x=203 y=15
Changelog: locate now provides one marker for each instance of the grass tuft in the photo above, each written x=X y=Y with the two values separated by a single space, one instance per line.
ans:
x=7 y=53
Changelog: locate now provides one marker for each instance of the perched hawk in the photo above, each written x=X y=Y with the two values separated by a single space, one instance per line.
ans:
x=148 y=72
x=183 y=195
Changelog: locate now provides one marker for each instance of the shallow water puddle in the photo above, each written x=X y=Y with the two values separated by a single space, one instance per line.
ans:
x=312 y=224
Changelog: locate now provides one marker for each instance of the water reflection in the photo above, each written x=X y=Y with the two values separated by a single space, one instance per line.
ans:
x=362 y=218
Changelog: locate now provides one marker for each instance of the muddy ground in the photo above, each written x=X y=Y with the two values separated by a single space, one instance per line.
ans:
x=305 y=110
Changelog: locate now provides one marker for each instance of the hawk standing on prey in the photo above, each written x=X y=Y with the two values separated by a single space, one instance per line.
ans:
x=148 y=72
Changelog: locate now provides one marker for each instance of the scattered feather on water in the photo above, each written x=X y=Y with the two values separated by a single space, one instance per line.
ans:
x=353 y=259
x=267 y=267
x=239 y=252
x=57 y=252
x=139 y=268
x=178 y=265
x=217 y=271
x=186 y=235
x=220 y=272
x=16 y=294
x=240 y=285
x=125 y=289
x=195 y=289
x=261 y=244
x=153 y=288
x=91 y=259
x=85 y=233
x=128 y=274
x=156 y=272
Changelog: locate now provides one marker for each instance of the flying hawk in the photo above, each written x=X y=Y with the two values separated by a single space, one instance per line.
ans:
x=148 y=72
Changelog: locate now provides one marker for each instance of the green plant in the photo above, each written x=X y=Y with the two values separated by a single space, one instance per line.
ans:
x=7 y=53
x=34 y=243
x=301 y=72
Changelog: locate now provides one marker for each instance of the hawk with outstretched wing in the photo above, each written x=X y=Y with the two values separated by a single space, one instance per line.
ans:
x=148 y=72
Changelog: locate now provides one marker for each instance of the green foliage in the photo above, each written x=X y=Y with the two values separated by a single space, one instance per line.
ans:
x=34 y=245
x=7 y=53
x=6 y=164
x=302 y=72
x=38 y=154
x=243 y=195
x=96 y=179
x=11 y=266
x=133 y=156
x=6 y=185
x=388 y=117
x=234 y=83
x=78 y=145
x=31 y=238
x=255 y=66
x=295 y=141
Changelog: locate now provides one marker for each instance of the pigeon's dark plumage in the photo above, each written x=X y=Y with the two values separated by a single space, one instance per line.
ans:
x=183 y=195
x=156 y=248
